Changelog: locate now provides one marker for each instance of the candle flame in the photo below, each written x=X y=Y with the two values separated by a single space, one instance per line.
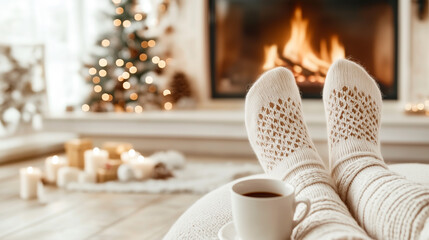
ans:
x=55 y=159
x=30 y=169
x=96 y=150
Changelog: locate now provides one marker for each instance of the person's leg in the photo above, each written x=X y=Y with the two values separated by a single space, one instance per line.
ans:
x=385 y=204
x=279 y=137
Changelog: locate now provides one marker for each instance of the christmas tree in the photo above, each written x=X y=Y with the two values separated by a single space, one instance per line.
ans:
x=120 y=76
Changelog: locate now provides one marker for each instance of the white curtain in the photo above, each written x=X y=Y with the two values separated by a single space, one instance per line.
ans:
x=68 y=29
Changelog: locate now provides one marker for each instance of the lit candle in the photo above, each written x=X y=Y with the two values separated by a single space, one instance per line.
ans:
x=52 y=164
x=29 y=178
x=143 y=167
x=129 y=155
x=95 y=159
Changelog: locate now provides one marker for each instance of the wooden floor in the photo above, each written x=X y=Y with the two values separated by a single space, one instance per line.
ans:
x=77 y=215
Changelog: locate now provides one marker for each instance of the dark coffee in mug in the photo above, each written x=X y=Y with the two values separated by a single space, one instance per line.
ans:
x=259 y=205
x=262 y=194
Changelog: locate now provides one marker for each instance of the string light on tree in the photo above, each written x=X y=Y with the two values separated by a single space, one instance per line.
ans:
x=138 y=109
x=168 y=106
x=133 y=69
x=138 y=16
x=126 y=85
x=97 y=88
x=151 y=43
x=102 y=62
x=155 y=59
x=161 y=64
x=117 y=22
x=125 y=75
x=166 y=92
x=102 y=73
x=92 y=71
x=143 y=57
x=119 y=10
x=129 y=64
x=105 y=43
x=134 y=96
x=126 y=23
x=144 y=44
x=105 y=97
x=96 y=80
x=129 y=109
x=85 y=107
x=149 y=80
x=119 y=62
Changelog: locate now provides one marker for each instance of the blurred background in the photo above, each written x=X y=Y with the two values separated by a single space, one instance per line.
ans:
x=172 y=74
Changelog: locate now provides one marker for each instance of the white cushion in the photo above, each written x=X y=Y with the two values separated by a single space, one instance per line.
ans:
x=416 y=172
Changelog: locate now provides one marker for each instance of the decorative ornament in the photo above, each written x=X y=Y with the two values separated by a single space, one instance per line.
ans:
x=172 y=159
x=161 y=172
x=22 y=87
x=180 y=87
x=125 y=173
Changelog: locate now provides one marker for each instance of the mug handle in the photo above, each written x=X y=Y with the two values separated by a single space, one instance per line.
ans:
x=307 y=210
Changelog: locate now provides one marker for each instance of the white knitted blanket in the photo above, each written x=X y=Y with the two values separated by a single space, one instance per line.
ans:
x=194 y=178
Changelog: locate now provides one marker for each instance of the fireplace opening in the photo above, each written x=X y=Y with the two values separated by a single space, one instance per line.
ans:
x=248 y=37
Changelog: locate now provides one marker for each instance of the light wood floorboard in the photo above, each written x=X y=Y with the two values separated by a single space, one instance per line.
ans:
x=93 y=216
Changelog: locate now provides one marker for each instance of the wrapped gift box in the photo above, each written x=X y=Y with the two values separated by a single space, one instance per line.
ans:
x=75 y=151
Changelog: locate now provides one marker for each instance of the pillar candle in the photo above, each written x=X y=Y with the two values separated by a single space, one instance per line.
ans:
x=130 y=155
x=52 y=164
x=41 y=191
x=95 y=159
x=143 y=167
x=29 y=178
x=67 y=175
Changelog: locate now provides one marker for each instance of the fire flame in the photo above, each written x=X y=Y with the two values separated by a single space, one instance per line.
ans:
x=298 y=54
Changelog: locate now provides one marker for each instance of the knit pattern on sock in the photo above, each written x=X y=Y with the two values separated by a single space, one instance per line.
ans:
x=385 y=204
x=352 y=113
x=280 y=132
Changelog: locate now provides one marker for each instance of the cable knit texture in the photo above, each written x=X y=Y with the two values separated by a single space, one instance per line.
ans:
x=279 y=138
x=385 y=204
x=205 y=218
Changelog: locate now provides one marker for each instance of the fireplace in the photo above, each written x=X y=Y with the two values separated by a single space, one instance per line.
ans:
x=248 y=37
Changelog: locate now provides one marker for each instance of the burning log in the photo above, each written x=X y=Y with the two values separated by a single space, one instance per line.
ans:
x=309 y=67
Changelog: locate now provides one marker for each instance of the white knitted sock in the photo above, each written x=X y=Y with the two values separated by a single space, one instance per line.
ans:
x=278 y=136
x=385 y=204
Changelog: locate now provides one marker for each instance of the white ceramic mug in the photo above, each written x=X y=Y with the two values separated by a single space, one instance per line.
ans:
x=265 y=218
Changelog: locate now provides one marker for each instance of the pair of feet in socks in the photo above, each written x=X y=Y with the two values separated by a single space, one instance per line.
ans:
x=361 y=198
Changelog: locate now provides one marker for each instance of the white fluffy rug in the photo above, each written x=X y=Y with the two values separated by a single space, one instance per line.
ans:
x=195 y=178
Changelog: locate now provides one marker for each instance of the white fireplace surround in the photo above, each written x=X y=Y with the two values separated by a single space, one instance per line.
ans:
x=217 y=126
